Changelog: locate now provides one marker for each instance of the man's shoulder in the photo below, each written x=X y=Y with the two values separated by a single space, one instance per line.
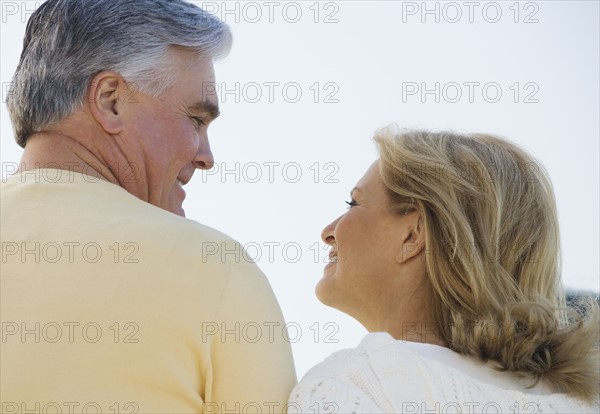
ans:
x=184 y=238
x=187 y=233
x=76 y=206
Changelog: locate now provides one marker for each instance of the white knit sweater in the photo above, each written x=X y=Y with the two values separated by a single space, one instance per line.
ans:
x=384 y=375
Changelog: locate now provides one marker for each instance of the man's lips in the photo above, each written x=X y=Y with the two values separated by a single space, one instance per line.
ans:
x=183 y=180
x=185 y=175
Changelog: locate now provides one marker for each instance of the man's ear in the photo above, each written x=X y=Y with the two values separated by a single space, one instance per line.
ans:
x=104 y=100
x=413 y=237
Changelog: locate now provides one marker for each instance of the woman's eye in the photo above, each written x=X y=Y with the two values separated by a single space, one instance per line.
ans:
x=351 y=203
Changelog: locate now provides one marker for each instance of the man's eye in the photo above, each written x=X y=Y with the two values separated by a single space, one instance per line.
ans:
x=198 y=120
x=351 y=203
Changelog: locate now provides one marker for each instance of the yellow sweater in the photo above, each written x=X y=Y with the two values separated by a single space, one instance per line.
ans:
x=110 y=304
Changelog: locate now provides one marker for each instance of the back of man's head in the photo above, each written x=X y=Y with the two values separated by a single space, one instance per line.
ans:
x=67 y=42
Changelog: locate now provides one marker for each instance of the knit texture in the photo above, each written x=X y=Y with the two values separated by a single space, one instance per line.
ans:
x=383 y=375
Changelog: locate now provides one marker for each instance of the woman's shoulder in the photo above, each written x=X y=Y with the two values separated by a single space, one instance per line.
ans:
x=436 y=378
x=348 y=380
x=374 y=347
x=383 y=374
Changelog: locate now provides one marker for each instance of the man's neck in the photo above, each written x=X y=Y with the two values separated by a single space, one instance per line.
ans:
x=62 y=152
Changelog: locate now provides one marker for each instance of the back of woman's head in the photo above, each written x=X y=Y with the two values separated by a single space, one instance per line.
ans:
x=492 y=254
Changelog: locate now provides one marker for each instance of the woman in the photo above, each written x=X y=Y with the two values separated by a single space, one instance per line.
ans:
x=449 y=256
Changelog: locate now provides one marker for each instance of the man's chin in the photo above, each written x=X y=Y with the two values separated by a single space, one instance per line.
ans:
x=176 y=209
x=179 y=211
x=177 y=196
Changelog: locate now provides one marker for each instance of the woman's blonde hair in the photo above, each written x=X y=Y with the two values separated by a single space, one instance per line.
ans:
x=492 y=255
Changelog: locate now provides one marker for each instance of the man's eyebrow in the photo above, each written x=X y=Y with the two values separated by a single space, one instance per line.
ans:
x=206 y=106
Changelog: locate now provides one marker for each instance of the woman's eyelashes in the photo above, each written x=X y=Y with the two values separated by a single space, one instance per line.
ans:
x=351 y=203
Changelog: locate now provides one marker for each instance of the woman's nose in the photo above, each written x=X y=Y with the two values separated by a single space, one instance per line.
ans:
x=327 y=233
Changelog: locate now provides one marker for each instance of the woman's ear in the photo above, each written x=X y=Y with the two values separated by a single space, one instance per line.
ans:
x=413 y=238
x=104 y=103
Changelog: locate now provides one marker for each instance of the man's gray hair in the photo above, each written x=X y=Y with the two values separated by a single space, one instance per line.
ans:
x=68 y=42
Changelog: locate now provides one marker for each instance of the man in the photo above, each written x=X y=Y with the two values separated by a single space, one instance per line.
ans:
x=111 y=300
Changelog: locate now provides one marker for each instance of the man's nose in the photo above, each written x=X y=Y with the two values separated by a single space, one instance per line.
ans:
x=204 y=159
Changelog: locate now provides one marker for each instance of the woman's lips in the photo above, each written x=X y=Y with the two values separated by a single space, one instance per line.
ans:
x=333 y=257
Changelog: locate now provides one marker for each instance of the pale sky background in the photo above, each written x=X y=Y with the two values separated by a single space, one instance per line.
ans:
x=358 y=66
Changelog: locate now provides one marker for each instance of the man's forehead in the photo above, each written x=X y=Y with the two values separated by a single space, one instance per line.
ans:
x=197 y=81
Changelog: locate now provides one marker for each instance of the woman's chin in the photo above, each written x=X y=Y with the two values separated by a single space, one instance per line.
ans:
x=324 y=288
